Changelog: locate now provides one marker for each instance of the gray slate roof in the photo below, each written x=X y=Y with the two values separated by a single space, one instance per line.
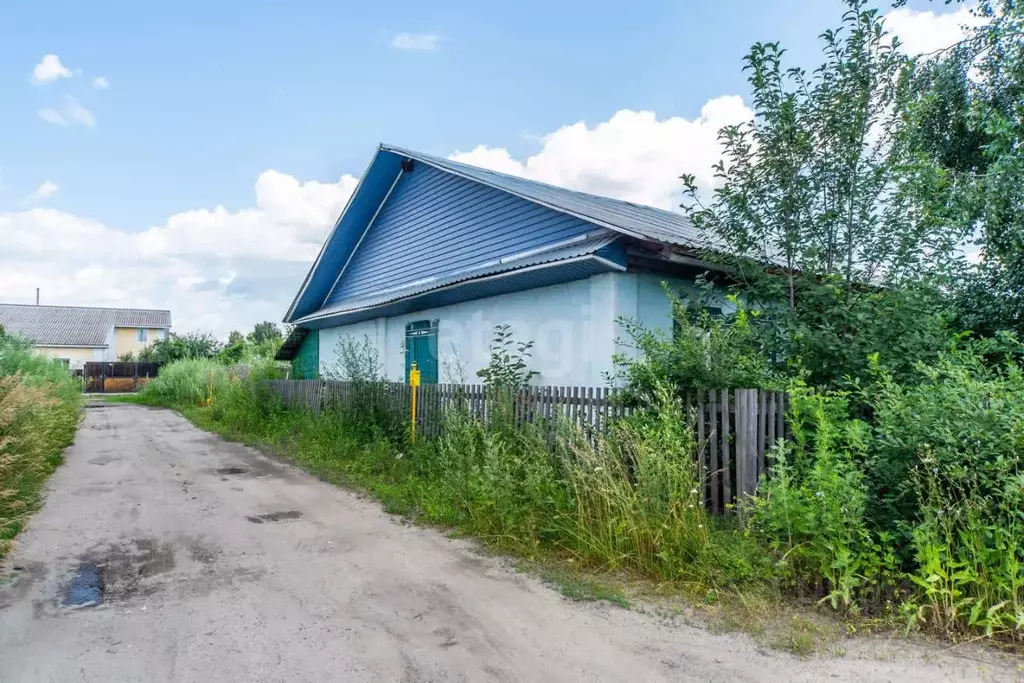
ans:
x=645 y=222
x=75 y=325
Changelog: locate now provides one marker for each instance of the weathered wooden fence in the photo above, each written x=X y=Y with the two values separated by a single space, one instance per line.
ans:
x=117 y=377
x=735 y=428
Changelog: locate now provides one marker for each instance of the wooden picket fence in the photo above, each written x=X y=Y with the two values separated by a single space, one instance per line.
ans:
x=735 y=428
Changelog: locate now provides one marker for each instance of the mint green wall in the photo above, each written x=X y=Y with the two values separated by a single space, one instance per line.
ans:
x=306 y=364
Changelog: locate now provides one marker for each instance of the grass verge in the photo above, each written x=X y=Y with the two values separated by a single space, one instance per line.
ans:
x=40 y=407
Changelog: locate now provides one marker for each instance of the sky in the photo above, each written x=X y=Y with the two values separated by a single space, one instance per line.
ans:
x=194 y=155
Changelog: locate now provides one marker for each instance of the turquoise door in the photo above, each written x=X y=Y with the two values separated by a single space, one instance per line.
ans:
x=421 y=348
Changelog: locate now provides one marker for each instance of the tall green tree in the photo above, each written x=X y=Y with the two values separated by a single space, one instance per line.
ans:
x=969 y=113
x=179 y=346
x=820 y=209
x=265 y=331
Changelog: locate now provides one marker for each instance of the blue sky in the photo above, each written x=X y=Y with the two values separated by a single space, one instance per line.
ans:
x=205 y=97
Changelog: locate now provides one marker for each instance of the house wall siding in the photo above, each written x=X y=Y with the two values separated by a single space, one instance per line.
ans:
x=571 y=345
x=126 y=340
x=435 y=224
x=76 y=356
x=574 y=326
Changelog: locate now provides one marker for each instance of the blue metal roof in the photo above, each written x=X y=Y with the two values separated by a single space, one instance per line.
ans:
x=435 y=224
x=636 y=220
x=460 y=223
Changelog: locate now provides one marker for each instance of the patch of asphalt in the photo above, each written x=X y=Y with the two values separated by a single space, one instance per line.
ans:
x=164 y=553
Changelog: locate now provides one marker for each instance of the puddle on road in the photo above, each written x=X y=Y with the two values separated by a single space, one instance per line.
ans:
x=231 y=470
x=87 y=587
x=274 y=516
x=117 y=572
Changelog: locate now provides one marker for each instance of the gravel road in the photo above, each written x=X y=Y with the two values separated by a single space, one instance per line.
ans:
x=164 y=553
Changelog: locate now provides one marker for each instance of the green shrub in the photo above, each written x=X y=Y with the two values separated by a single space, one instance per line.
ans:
x=946 y=468
x=187 y=382
x=811 y=511
x=966 y=414
x=703 y=352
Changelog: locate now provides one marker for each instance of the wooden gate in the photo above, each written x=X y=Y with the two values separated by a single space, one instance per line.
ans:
x=116 y=378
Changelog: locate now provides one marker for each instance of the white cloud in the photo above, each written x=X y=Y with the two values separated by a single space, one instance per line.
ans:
x=77 y=112
x=924 y=32
x=415 y=41
x=49 y=69
x=100 y=83
x=632 y=156
x=52 y=116
x=219 y=270
x=44 y=191
x=215 y=269
x=70 y=110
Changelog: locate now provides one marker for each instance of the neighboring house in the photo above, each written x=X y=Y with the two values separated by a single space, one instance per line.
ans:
x=430 y=254
x=78 y=334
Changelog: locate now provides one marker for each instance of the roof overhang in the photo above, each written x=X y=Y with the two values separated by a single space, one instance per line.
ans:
x=68 y=346
x=290 y=348
x=530 y=277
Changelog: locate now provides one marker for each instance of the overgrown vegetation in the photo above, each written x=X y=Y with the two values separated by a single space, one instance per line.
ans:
x=262 y=343
x=702 y=352
x=40 y=405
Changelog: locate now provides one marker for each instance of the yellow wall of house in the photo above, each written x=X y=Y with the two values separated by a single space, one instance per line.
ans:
x=75 y=355
x=126 y=339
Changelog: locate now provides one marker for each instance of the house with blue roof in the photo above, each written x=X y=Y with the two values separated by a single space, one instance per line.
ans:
x=429 y=255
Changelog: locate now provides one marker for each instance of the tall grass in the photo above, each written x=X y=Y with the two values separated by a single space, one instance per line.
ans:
x=185 y=383
x=40 y=406
x=638 y=503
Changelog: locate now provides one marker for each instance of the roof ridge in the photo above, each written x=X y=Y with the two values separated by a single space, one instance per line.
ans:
x=89 y=308
x=561 y=188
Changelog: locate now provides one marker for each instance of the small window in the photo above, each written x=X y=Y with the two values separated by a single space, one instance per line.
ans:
x=142 y=332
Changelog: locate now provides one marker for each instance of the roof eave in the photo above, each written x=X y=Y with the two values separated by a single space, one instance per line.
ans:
x=320 y=317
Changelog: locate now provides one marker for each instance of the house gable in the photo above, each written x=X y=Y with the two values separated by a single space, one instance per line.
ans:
x=358 y=213
x=420 y=229
x=435 y=224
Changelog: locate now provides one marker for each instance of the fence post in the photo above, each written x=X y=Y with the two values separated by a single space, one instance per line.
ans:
x=701 y=414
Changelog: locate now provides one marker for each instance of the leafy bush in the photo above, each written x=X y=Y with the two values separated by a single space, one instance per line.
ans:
x=40 y=406
x=947 y=472
x=508 y=366
x=180 y=346
x=355 y=361
x=704 y=352
x=967 y=415
x=919 y=508
x=811 y=511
